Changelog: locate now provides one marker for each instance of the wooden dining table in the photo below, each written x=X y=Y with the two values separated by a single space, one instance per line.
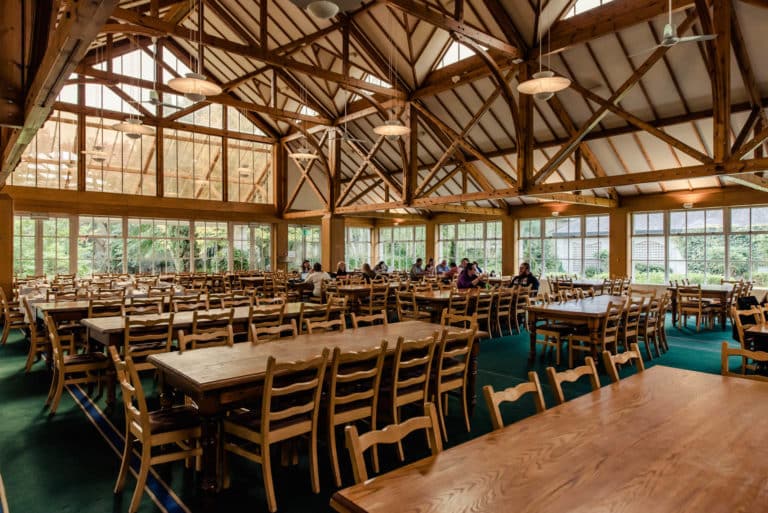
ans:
x=218 y=377
x=591 y=311
x=720 y=293
x=663 y=441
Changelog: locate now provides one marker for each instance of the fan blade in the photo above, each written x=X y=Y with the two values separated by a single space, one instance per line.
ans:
x=643 y=52
x=696 y=39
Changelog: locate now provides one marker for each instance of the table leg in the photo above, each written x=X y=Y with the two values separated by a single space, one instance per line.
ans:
x=210 y=460
x=594 y=337
x=472 y=378
x=723 y=310
x=674 y=307
x=532 y=331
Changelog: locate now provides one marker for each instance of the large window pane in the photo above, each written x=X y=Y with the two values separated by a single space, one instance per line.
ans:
x=358 y=247
x=211 y=247
x=480 y=241
x=99 y=245
x=400 y=246
x=157 y=245
x=303 y=244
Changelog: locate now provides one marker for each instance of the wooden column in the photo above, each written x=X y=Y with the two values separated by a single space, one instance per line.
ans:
x=334 y=165
x=509 y=257
x=279 y=244
x=430 y=243
x=280 y=176
x=331 y=241
x=618 y=265
x=524 y=134
x=6 y=243
x=721 y=81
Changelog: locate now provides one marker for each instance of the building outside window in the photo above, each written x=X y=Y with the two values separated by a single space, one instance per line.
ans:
x=357 y=247
x=480 y=241
x=400 y=246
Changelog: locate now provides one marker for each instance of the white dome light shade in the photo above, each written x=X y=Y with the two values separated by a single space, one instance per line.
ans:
x=133 y=129
x=544 y=82
x=323 y=9
x=194 y=87
x=392 y=129
x=97 y=154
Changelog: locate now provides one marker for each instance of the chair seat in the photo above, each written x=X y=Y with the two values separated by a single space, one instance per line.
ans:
x=149 y=346
x=173 y=419
x=251 y=419
x=83 y=358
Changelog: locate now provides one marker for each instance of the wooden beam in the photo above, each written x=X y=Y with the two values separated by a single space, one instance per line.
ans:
x=253 y=52
x=578 y=199
x=349 y=209
x=721 y=81
x=67 y=45
x=304 y=214
x=749 y=180
x=753 y=143
x=506 y=23
x=466 y=209
x=363 y=165
x=449 y=24
x=524 y=131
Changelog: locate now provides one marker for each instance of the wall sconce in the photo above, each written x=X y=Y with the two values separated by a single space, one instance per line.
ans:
x=687 y=205
x=555 y=213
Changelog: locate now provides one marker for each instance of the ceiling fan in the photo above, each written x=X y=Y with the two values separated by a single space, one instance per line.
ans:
x=670 y=38
x=325 y=9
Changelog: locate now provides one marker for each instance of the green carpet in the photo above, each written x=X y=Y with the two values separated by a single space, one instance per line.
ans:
x=65 y=464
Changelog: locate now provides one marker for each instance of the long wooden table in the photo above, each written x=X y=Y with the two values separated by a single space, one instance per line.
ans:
x=717 y=292
x=662 y=441
x=591 y=311
x=217 y=377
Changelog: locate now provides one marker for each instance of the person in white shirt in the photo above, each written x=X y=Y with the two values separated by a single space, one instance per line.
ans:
x=316 y=278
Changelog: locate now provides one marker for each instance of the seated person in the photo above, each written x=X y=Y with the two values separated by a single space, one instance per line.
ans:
x=306 y=267
x=368 y=273
x=526 y=277
x=341 y=268
x=478 y=269
x=453 y=270
x=430 y=268
x=316 y=278
x=442 y=267
x=381 y=267
x=417 y=272
x=469 y=279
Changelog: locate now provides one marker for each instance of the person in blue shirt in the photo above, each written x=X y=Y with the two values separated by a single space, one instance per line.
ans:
x=442 y=267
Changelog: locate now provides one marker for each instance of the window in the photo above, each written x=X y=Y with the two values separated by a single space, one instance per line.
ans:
x=455 y=53
x=566 y=245
x=748 y=245
x=192 y=165
x=157 y=245
x=250 y=171
x=55 y=246
x=479 y=242
x=50 y=159
x=581 y=6
x=303 y=244
x=648 y=248
x=400 y=246
x=99 y=245
x=24 y=236
x=358 y=247
x=251 y=247
x=211 y=247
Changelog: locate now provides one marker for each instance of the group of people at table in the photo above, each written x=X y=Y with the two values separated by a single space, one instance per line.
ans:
x=468 y=275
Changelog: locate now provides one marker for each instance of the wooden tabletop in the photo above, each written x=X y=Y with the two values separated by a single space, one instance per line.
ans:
x=725 y=287
x=587 y=307
x=221 y=367
x=588 y=283
x=444 y=295
x=662 y=441
x=180 y=319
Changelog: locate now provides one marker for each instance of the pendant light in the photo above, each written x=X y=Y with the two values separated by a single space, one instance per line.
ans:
x=97 y=153
x=392 y=128
x=323 y=9
x=544 y=84
x=303 y=154
x=196 y=86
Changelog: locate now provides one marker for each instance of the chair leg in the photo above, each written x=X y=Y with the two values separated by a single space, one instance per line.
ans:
x=464 y=408
x=269 y=487
x=125 y=463
x=558 y=349
x=396 y=420
x=141 y=478
x=333 y=451
x=441 y=414
x=314 y=473
x=52 y=389
x=570 y=354
x=30 y=358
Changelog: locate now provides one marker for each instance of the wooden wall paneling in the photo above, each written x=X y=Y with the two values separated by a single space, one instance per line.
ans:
x=332 y=243
x=509 y=259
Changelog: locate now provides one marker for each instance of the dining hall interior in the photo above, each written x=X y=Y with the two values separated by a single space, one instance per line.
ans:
x=369 y=255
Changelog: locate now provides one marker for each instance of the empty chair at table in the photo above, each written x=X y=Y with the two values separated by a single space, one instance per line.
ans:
x=504 y=299
x=316 y=327
x=39 y=344
x=691 y=302
x=208 y=330
x=369 y=320
x=263 y=315
x=13 y=317
x=146 y=336
x=259 y=334
x=493 y=398
x=353 y=394
x=177 y=427
x=556 y=379
x=289 y=408
x=189 y=303
x=71 y=369
x=452 y=371
x=358 y=444
x=407 y=307
x=144 y=306
x=613 y=361
x=314 y=312
x=520 y=306
x=754 y=364
x=607 y=337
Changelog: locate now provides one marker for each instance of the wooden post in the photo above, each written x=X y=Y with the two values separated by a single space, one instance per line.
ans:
x=430 y=242
x=280 y=177
x=509 y=255
x=618 y=265
x=6 y=243
x=525 y=136
x=279 y=245
x=331 y=241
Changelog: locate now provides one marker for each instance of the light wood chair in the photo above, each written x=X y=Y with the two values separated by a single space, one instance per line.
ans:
x=144 y=337
x=144 y=306
x=407 y=307
x=358 y=444
x=319 y=313
x=451 y=372
x=690 y=302
x=484 y=304
x=260 y=334
x=512 y=394
x=315 y=327
x=71 y=369
x=105 y=308
x=13 y=317
x=459 y=302
x=552 y=335
x=3 y=498
x=411 y=372
x=177 y=427
x=369 y=320
x=556 y=379
x=750 y=361
x=648 y=329
x=612 y=361
x=39 y=344
x=458 y=321
x=264 y=315
x=520 y=306
x=378 y=299
x=208 y=330
x=232 y=300
x=353 y=394
x=608 y=336
x=629 y=329
x=504 y=309
x=298 y=384
x=189 y=303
